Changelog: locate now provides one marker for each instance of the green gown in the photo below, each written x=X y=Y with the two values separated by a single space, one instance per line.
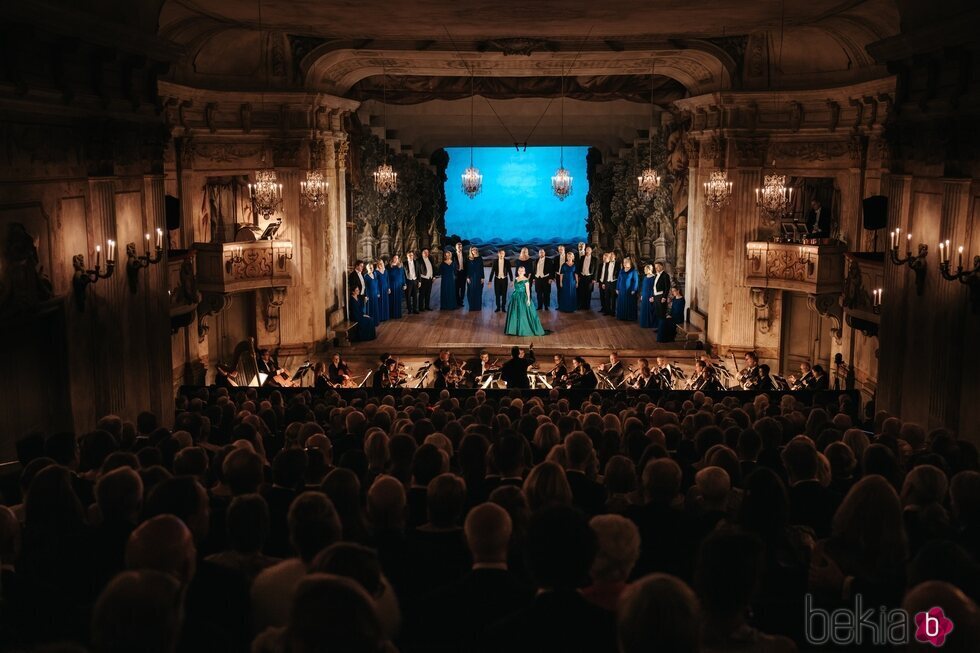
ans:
x=522 y=319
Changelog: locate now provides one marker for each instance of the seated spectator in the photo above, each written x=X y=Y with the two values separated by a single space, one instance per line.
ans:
x=727 y=578
x=588 y=495
x=361 y=564
x=560 y=550
x=658 y=613
x=247 y=522
x=811 y=504
x=455 y=617
x=437 y=549
x=665 y=530
x=618 y=548
x=923 y=496
x=964 y=495
x=547 y=485
x=138 y=611
x=313 y=526
x=956 y=606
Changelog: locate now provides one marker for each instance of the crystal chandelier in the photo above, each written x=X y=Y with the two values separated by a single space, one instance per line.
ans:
x=265 y=193
x=649 y=181
x=472 y=179
x=774 y=198
x=561 y=181
x=717 y=190
x=314 y=189
x=385 y=177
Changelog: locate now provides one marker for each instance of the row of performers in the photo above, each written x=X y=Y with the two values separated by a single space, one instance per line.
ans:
x=377 y=290
x=755 y=376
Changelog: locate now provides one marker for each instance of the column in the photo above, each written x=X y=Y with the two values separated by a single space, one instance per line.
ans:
x=157 y=305
x=894 y=306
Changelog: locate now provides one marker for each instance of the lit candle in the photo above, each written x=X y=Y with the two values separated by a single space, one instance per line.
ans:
x=960 y=251
x=908 y=243
x=98 y=256
x=159 y=238
x=147 y=244
x=111 y=252
x=942 y=258
x=948 y=250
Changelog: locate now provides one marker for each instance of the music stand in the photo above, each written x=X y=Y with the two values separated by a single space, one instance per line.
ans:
x=271 y=230
x=301 y=372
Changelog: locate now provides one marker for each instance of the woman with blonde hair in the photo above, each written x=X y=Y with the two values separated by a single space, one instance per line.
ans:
x=547 y=485
x=474 y=276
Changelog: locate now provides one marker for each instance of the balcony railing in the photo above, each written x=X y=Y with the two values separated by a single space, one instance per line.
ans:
x=240 y=267
x=812 y=269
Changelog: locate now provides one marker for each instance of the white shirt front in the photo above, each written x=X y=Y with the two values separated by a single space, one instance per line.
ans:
x=459 y=258
x=426 y=268
x=361 y=277
x=500 y=268
x=411 y=269
x=656 y=278
x=610 y=266
x=540 y=272
x=587 y=265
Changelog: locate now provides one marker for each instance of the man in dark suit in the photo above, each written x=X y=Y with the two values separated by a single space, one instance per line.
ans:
x=559 y=549
x=544 y=271
x=607 y=283
x=665 y=530
x=426 y=272
x=355 y=279
x=810 y=503
x=587 y=495
x=614 y=370
x=514 y=371
x=501 y=273
x=455 y=617
x=818 y=220
x=411 y=283
x=586 y=268
x=459 y=260
x=661 y=292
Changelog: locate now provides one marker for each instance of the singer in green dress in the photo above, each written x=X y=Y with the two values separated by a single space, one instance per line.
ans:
x=522 y=319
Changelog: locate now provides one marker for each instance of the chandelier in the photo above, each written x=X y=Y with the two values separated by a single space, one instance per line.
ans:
x=385 y=180
x=649 y=181
x=385 y=177
x=561 y=181
x=717 y=190
x=774 y=198
x=314 y=189
x=265 y=193
x=472 y=179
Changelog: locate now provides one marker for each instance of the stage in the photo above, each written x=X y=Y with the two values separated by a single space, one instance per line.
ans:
x=465 y=332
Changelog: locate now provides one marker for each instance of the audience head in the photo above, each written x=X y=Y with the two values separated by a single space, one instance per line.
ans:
x=559 y=548
x=658 y=613
x=138 y=611
x=487 y=529
x=313 y=524
x=163 y=543
x=618 y=548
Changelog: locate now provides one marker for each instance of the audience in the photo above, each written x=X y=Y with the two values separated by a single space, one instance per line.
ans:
x=487 y=522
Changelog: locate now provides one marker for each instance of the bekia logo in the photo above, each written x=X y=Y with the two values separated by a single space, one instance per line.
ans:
x=879 y=626
x=932 y=626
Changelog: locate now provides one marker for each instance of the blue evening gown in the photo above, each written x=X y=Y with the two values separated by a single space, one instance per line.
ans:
x=567 y=301
x=648 y=318
x=396 y=281
x=372 y=292
x=474 y=275
x=365 y=323
x=447 y=287
x=668 y=326
x=626 y=286
x=384 y=301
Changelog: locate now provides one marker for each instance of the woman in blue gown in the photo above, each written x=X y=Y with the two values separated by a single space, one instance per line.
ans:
x=447 y=284
x=567 y=281
x=675 y=316
x=396 y=282
x=648 y=318
x=626 y=286
x=522 y=318
x=474 y=276
x=384 y=291
x=358 y=313
x=373 y=292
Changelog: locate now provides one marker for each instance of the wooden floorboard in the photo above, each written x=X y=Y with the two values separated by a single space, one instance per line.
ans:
x=587 y=333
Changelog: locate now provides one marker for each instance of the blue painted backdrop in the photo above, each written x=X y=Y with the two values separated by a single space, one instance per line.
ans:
x=517 y=203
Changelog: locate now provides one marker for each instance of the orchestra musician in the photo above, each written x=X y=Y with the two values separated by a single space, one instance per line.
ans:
x=225 y=377
x=442 y=368
x=559 y=373
x=821 y=380
x=641 y=378
x=382 y=374
x=268 y=365
x=805 y=380
x=766 y=382
x=338 y=373
x=581 y=376
x=482 y=368
x=514 y=371
x=321 y=382
x=666 y=372
x=614 y=370
x=704 y=378
x=749 y=377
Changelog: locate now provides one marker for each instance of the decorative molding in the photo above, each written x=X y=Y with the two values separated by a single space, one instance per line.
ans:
x=518 y=46
x=276 y=297
x=762 y=301
x=828 y=305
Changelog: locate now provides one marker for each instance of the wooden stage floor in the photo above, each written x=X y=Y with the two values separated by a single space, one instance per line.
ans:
x=586 y=333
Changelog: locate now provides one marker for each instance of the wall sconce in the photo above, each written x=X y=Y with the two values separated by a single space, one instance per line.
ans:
x=969 y=277
x=135 y=262
x=236 y=258
x=916 y=263
x=285 y=257
x=82 y=277
x=805 y=259
x=876 y=301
